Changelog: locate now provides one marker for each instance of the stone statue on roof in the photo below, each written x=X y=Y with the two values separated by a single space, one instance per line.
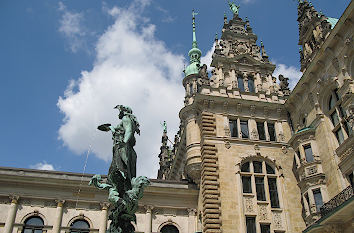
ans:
x=234 y=8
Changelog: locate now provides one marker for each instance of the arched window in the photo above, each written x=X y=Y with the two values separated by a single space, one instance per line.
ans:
x=336 y=113
x=33 y=225
x=264 y=176
x=80 y=226
x=169 y=229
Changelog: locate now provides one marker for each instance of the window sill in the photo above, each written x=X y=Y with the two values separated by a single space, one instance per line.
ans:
x=248 y=194
x=263 y=202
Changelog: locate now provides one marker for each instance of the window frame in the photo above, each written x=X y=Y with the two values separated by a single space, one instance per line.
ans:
x=337 y=116
x=252 y=175
x=33 y=228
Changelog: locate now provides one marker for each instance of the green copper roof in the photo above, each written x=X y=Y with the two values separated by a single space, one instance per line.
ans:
x=194 y=54
x=303 y=129
x=332 y=21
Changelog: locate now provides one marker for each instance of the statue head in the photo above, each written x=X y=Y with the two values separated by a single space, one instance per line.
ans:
x=123 y=110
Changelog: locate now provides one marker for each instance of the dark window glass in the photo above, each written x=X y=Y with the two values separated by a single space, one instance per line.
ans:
x=169 y=229
x=270 y=170
x=80 y=226
x=250 y=84
x=245 y=167
x=261 y=131
x=318 y=199
x=257 y=167
x=336 y=94
x=33 y=225
x=347 y=128
x=273 y=193
x=332 y=102
x=307 y=198
x=191 y=89
x=233 y=128
x=340 y=136
x=290 y=123
x=260 y=189
x=244 y=129
x=265 y=228
x=240 y=83
x=341 y=111
x=271 y=131
x=308 y=153
x=334 y=118
x=350 y=178
x=251 y=224
x=246 y=184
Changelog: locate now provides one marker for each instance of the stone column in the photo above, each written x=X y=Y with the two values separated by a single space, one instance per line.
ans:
x=266 y=131
x=312 y=201
x=59 y=216
x=104 y=214
x=192 y=220
x=148 y=218
x=10 y=220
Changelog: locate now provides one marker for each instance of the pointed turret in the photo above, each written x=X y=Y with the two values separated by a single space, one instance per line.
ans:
x=314 y=27
x=194 y=54
x=165 y=155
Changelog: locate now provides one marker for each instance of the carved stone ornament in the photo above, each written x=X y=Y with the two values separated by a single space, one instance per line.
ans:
x=254 y=134
x=277 y=220
x=284 y=149
x=227 y=145
x=263 y=213
x=249 y=204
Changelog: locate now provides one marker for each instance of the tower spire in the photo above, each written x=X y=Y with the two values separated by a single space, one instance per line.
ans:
x=194 y=43
x=195 y=53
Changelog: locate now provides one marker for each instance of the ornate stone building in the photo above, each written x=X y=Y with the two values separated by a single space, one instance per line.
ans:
x=250 y=155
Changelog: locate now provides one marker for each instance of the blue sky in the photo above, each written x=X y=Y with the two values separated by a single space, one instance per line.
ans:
x=66 y=64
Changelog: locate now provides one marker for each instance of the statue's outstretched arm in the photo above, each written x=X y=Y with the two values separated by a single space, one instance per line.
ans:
x=128 y=128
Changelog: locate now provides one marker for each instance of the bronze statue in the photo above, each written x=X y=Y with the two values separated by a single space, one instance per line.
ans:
x=125 y=189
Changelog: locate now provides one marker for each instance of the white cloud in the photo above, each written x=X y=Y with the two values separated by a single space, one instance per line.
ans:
x=207 y=58
x=43 y=166
x=132 y=68
x=290 y=72
x=72 y=28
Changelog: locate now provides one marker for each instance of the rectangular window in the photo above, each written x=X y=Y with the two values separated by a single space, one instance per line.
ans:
x=244 y=129
x=271 y=131
x=340 y=136
x=308 y=153
x=334 y=118
x=257 y=167
x=273 y=193
x=250 y=84
x=241 y=86
x=246 y=184
x=261 y=131
x=233 y=128
x=318 y=199
x=251 y=224
x=265 y=228
x=260 y=189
